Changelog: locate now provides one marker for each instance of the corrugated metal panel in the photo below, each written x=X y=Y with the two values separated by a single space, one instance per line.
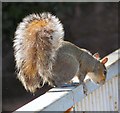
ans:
x=105 y=98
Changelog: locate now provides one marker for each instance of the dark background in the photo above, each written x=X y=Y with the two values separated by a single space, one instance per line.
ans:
x=93 y=26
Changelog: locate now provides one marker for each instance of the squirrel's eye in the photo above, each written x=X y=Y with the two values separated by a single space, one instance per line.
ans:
x=105 y=72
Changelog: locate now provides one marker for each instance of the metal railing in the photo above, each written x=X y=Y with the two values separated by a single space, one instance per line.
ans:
x=99 y=98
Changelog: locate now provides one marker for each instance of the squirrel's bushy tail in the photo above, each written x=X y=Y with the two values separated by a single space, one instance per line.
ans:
x=36 y=39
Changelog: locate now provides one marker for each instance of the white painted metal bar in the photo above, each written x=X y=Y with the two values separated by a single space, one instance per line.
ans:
x=61 y=99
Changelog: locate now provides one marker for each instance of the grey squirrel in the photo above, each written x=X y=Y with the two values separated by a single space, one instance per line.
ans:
x=42 y=56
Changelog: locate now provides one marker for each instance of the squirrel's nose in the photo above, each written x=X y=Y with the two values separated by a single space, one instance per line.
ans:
x=103 y=78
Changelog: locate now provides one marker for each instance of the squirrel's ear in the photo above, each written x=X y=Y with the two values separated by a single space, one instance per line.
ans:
x=97 y=56
x=103 y=61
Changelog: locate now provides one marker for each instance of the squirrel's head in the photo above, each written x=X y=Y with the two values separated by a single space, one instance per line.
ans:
x=99 y=71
